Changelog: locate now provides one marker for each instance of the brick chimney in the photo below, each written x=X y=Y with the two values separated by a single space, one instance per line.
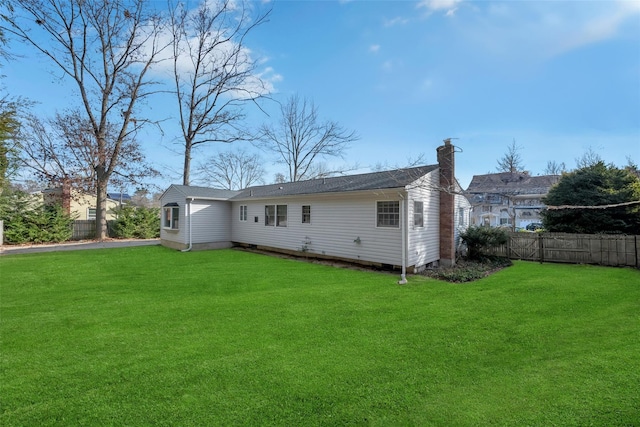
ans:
x=446 y=162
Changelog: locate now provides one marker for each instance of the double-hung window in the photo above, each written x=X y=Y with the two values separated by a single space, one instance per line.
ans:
x=306 y=214
x=91 y=213
x=418 y=214
x=243 y=212
x=171 y=216
x=388 y=214
x=270 y=215
x=275 y=215
x=281 y=220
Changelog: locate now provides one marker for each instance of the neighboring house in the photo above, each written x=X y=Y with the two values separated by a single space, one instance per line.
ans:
x=508 y=199
x=82 y=206
x=407 y=218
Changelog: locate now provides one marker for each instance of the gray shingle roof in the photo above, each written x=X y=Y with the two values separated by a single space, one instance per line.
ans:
x=190 y=191
x=369 y=181
x=512 y=183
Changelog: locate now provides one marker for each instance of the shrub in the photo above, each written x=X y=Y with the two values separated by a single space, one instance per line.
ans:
x=137 y=222
x=28 y=220
x=479 y=238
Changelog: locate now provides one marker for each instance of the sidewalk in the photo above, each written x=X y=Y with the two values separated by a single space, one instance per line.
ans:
x=74 y=246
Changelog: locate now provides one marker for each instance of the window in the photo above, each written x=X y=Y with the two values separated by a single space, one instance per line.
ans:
x=270 y=215
x=461 y=216
x=171 y=214
x=418 y=215
x=243 y=212
x=388 y=214
x=275 y=215
x=306 y=214
x=91 y=213
x=281 y=221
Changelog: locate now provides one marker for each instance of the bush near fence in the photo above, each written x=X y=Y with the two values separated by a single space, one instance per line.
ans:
x=602 y=249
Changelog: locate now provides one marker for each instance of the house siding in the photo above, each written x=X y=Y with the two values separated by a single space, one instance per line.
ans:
x=423 y=244
x=211 y=221
x=174 y=238
x=342 y=226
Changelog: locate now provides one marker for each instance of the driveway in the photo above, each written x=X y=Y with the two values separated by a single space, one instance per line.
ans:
x=75 y=246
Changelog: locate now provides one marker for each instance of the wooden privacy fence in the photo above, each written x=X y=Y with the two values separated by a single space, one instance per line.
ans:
x=86 y=229
x=602 y=249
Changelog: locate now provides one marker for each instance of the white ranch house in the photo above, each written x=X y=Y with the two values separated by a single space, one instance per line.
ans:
x=404 y=218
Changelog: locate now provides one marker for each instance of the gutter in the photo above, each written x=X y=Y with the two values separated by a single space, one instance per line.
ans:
x=188 y=206
x=403 y=231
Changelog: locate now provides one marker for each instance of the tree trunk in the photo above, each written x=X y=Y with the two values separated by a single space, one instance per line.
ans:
x=187 y=163
x=101 y=203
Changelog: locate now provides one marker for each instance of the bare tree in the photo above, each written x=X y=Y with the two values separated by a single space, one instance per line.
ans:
x=300 y=138
x=106 y=49
x=555 y=168
x=589 y=158
x=214 y=72
x=63 y=149
x=511 y=161
x=233 y=170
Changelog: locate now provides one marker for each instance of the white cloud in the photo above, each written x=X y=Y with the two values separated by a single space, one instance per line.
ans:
x=539 y=30
x=374 y=48
x=449 y=6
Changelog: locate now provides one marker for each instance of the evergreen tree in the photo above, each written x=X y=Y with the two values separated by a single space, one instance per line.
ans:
x=597 y=185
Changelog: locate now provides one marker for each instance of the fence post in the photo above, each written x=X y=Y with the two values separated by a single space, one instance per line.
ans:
x=541 y=247
x=2 y=233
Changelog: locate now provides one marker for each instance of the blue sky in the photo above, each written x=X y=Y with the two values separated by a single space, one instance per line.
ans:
x=559 y=77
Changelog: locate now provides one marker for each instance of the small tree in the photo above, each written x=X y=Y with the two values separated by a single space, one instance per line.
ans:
x=481 y=238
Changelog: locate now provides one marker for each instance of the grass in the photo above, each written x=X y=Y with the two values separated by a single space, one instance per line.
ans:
x=149 y=336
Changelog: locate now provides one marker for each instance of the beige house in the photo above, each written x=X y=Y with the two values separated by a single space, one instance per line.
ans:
x=82 y=206
x=508 y=199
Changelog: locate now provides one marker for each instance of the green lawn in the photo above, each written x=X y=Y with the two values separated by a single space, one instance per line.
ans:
x=150 y=336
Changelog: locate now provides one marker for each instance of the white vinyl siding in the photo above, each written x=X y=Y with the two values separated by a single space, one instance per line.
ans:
x=424 y=242
x=344 y=225
x=211 y=221
x=173 y=196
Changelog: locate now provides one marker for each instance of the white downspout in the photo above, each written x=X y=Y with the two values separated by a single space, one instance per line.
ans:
x=188 y=205
x=403 y=229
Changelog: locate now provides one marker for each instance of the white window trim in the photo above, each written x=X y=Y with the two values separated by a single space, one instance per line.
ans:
x=302 y=213
x=172 y=220
x=244 y=213
x=421 y=214
x=95 y=213
x=392 y=227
